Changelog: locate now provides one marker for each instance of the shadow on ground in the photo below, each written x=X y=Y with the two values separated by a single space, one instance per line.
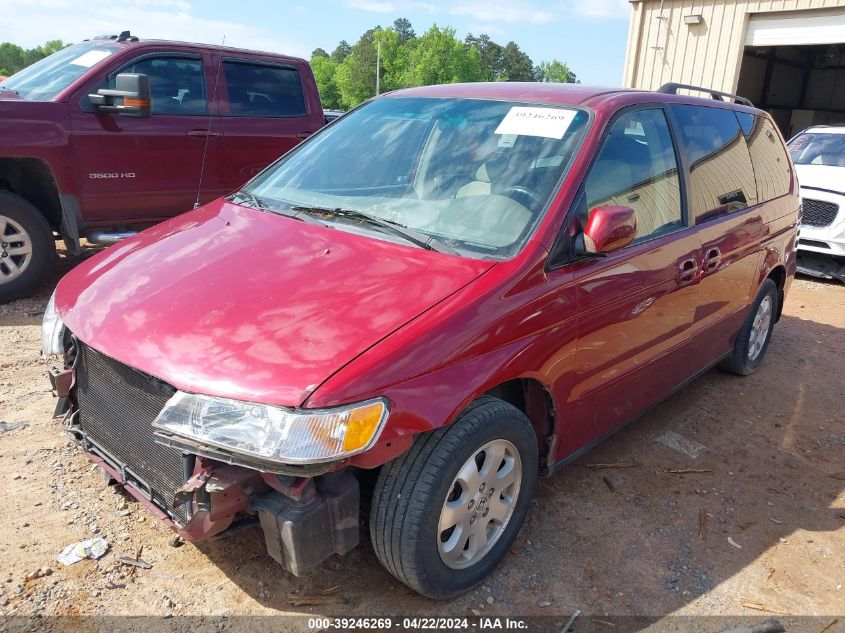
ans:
x=642 y=540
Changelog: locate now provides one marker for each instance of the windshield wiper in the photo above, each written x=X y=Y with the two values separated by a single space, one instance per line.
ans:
x=419 y=238
x=259 y=203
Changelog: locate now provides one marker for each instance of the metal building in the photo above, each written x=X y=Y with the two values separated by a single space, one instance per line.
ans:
x=787 y=56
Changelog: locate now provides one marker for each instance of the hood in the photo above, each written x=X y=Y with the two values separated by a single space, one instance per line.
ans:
x=828 y=177
x=244 y=304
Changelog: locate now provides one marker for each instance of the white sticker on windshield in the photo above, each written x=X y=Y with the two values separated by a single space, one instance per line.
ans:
x=90 y=58
x=545 y=122
x=507 y=140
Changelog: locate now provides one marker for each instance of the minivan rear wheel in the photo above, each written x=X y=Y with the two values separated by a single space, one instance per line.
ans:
x=753 y=337
x=445 y=513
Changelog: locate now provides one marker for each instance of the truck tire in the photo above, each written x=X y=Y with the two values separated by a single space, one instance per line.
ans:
x=753 y=337
x=445 y=513
x=27 y=247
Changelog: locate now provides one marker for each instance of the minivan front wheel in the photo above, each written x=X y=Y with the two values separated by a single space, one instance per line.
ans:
x=753 y=337
x=446 y=512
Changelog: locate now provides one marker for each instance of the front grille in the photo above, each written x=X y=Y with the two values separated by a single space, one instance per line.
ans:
x=815 y=243
x=819 y=212
x=117 y=406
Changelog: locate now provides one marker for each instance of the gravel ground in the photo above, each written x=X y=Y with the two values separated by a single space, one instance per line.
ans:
x=761 y=532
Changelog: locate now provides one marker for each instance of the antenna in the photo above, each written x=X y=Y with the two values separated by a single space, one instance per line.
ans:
x=208 y=127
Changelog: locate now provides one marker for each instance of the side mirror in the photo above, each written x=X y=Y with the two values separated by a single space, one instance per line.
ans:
x=130 y=97
x=608 y=229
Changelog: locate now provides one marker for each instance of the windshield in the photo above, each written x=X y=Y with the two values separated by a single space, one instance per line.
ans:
x=818 y=149
x=473 y=175
x=48 y=77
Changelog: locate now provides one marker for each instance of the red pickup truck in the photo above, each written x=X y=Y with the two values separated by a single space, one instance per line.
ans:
x=115 y=133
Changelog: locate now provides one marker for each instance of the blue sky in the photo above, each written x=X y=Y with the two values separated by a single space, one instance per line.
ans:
x=588 y=34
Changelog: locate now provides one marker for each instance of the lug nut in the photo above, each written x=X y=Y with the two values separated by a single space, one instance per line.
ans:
x=486 y=511
x=491 y=491
x=481 y=487
x=472 y=520
x=471 y=504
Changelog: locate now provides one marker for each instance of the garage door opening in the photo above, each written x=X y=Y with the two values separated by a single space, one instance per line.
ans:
x=799 y=85
x=793 y=66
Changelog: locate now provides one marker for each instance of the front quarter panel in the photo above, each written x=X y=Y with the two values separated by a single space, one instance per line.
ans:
x=508 y=324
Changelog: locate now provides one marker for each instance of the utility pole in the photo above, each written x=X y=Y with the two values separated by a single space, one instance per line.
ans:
x=378 y=66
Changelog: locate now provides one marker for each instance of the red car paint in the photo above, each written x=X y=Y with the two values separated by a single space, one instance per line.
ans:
x=153 y=164
x=318 y=298
x=232 y=301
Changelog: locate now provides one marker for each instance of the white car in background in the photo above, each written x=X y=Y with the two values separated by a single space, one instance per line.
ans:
x=819 y=157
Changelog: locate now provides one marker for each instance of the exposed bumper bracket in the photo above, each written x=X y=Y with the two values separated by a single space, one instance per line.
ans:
x=300 y=534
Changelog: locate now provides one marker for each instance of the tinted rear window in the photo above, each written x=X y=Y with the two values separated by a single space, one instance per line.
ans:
x=263 y=90
x=721 y=175
x=771 y=164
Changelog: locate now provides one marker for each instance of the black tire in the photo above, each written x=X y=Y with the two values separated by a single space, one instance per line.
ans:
x=739 y=361
x=43 y=246
x=411 y=491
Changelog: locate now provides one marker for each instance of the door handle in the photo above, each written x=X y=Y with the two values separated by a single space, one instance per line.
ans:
x=201 y=133
x=687 y=271
x=712 y=260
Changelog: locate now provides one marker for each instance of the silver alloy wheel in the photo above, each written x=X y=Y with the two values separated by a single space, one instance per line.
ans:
x=760 y=328
x=15 y=250
x=479 y=504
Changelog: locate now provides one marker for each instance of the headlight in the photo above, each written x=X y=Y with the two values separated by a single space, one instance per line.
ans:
x=273 y=433
x=51 y=329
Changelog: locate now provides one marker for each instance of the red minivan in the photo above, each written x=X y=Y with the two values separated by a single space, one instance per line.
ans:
x=457 y=288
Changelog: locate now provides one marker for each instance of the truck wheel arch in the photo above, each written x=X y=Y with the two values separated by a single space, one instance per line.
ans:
x=34 y=180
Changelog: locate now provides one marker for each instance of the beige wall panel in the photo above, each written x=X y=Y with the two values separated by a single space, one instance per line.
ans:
x=662 y=48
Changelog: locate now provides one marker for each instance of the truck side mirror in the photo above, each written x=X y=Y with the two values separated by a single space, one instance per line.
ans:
x=130 y=96
x=608 y=229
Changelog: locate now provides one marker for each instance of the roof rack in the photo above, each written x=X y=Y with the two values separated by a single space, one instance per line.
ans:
x=672 y=89
x=125 y=36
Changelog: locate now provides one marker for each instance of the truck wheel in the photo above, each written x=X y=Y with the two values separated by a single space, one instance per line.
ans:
x=753 y=337
x=27 y=247
x=445 y=513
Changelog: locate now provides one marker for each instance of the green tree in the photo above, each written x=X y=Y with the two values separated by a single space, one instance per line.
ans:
x=439 y=57
x=319 y=52
x=516 y=65
x=491 y=55
x=14 y=58
x=555 y=71
x=341 y=51
x=325 y=70
x=48 y=48
x=403 y=27
x=356 y=74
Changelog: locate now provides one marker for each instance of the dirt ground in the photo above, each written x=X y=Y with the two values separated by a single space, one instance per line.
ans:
x=761 y=531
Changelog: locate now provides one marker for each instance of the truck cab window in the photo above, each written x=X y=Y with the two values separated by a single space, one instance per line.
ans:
x=177 y=84
x=262 y=90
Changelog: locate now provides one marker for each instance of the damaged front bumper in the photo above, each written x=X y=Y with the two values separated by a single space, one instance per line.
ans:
x=305 y=519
